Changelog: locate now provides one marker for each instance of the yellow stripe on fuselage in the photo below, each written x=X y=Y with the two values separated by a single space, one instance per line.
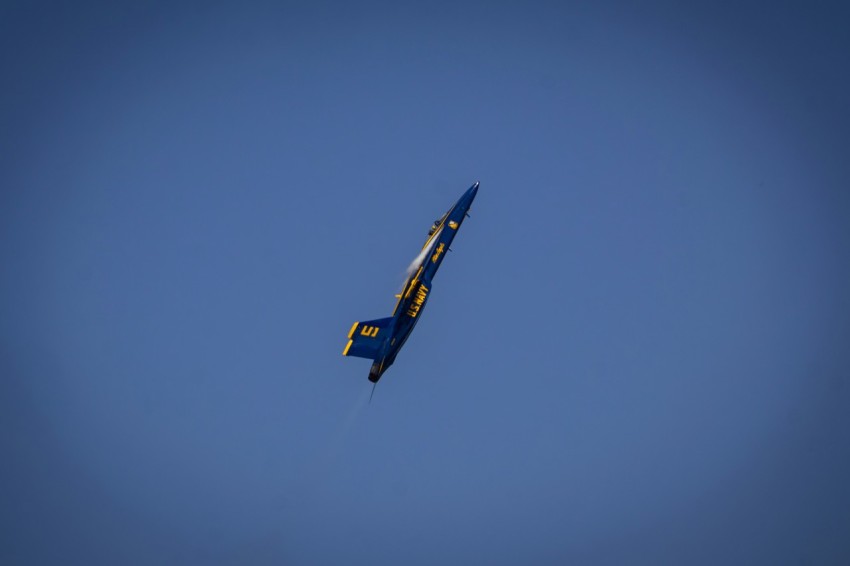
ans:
x=353 y=328
x=400 y=297
x=414 y=282
x=347 y=346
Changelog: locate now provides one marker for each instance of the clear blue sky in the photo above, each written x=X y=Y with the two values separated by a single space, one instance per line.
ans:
x=636 y=354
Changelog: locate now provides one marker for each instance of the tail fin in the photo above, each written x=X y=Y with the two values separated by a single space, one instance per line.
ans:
x=365 y=338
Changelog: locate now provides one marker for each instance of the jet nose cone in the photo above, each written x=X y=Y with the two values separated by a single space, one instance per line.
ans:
x=466 y=199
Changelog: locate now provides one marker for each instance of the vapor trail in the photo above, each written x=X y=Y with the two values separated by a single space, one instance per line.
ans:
x=426 y=251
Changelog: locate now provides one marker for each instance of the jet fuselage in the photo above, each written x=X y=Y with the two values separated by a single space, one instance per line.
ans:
x=382 y=339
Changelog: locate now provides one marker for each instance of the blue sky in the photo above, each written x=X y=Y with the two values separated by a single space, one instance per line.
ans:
x=636 y=354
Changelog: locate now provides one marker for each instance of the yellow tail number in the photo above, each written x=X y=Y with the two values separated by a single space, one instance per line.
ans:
x=369 y=331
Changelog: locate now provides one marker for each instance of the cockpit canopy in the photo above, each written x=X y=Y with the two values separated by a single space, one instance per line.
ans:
x=434 y=227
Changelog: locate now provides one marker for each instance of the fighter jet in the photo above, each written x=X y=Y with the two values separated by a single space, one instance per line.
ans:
x=380 y=340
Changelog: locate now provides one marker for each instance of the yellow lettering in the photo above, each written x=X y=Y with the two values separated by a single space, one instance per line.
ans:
x=418 y=301
x=436 y=255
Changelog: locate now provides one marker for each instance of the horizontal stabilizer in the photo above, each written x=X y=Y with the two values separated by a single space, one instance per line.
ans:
x=365 y=338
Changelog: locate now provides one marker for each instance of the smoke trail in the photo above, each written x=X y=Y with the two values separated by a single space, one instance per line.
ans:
x=340 y=436
x=316 y=473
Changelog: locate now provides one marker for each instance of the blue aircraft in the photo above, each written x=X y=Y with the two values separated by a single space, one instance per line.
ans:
x=380 y=340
